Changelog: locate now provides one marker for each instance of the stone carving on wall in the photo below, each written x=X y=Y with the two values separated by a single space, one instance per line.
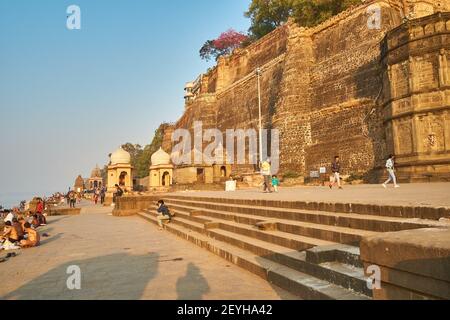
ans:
x=389 y=139
x=425 y=73
x=443 y=67
x=401 y=79
x=432 y=133
x=404 y=138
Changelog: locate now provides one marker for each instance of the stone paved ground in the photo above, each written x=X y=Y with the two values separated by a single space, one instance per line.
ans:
x=431 y=194
x=124 y=258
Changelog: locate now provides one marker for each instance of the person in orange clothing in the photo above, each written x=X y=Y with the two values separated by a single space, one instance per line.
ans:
x=33 y=239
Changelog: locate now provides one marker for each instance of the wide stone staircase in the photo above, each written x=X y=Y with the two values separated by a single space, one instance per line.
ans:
x=309 y=249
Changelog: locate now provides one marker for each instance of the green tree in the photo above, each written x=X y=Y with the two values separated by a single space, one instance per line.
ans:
x=135 y=151
x=267 y=15
x=309 y=13
x=141 y=157
x=104 y=173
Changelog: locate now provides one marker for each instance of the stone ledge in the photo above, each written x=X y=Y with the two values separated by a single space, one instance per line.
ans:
x=415 y=264
x=124 y=213
x=63 y=212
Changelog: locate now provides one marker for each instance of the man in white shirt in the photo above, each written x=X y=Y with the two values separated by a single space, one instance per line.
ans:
x=390 y=166
x=9 y=217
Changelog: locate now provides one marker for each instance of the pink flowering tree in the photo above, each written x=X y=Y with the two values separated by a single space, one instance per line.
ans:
x=223 y=45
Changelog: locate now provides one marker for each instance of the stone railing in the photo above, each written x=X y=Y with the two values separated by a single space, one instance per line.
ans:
x=414 y=264
x=63 y=211
x=413 y=30
x=130 y=205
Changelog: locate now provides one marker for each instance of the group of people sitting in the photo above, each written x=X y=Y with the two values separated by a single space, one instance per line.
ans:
x=20 y=230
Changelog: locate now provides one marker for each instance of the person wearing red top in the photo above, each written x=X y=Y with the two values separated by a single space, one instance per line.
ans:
x=40 y=207
x=39 y=213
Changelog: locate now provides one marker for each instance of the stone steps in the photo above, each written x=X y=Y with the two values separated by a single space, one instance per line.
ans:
x=346 y=220
x=308 y=251
x=337 y=273
x=276 y=246
x=306 y=229
x=287 y=240
x=304 y=285
x=406 y=212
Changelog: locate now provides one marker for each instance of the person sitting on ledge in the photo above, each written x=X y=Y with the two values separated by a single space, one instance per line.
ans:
x=18 y=228
x=163 y=214
x=35 y=223
x=33 y=238
x=118 y=193
x=22 y=222
x=10 y=233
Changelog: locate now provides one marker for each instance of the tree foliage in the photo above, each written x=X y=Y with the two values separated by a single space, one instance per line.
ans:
x=135 y=151
x=309 y=13
x=223 y=45
x=141 y=157
x=267 y=15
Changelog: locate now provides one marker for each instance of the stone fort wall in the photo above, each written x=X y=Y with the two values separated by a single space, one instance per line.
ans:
x=328 y=89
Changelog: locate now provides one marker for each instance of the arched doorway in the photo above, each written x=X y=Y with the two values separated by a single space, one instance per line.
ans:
x=200 y=175
x=165 y=179
x=223 y=172
x=122 y=179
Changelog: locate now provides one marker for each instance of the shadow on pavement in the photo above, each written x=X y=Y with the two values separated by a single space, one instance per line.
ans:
x=193 y=286
x=111 y=277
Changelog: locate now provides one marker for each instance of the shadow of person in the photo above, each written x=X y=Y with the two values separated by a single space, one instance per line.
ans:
x=193 y=285
x=111 y=277
x=45 y=240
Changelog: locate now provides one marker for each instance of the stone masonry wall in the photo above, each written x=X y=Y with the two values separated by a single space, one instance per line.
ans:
x=321 y=88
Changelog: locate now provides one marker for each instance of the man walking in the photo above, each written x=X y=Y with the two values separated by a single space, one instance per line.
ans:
x=102 y=195
x=266 y=172
x=336 y=170
x=72 y=199
x=390 y=166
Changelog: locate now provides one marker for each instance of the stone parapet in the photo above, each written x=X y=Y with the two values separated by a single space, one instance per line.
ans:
x=415 y=264
x=130 y=205
x=63 y=212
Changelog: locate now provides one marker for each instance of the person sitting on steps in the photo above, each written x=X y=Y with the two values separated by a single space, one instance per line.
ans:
x=163 y=214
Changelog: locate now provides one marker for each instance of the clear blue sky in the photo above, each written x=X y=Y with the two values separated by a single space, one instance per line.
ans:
x=68 y=98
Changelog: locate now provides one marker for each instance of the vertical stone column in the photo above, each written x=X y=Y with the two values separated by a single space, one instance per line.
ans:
x=443 y=68
x=293 y=108
x=417 y=111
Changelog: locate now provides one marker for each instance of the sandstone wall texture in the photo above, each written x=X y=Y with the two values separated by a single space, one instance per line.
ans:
x=343 y=88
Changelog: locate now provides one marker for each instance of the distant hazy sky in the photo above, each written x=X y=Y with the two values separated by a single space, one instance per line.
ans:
x=68 y=98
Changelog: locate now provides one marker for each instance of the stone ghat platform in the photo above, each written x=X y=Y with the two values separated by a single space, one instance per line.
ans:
x=311 y=249
x=436 y=195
